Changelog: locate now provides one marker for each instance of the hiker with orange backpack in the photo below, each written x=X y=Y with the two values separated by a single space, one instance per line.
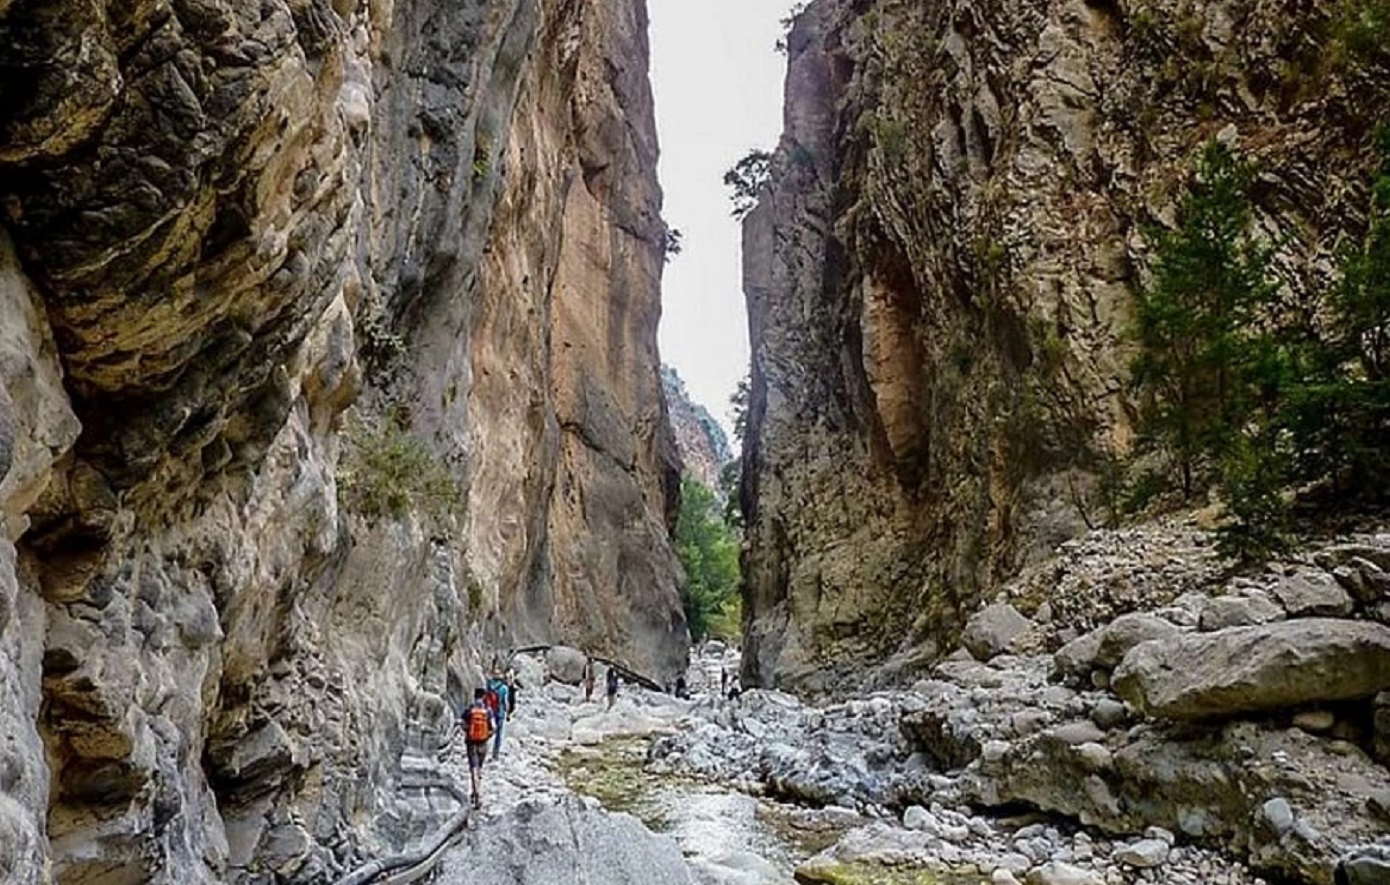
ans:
x=477 y=731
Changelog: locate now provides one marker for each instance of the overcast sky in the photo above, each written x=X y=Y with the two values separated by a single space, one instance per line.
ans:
x=718 y=85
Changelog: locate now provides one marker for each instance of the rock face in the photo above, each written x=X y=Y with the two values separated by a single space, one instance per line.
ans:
x=941 y=269
x=327 y=362
x=703 y=447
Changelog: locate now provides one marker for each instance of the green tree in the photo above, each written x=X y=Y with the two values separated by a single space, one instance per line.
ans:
x=746 y=181
x=1338 y=408
x=1210 y=279
x=708 y=550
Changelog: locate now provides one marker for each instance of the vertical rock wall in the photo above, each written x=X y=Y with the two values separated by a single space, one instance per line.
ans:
x=251 y=240
x=940 y=275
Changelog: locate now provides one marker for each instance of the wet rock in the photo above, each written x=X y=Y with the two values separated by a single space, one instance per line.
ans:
x=990 y=631
x=1254 y=669
x=1365 y=866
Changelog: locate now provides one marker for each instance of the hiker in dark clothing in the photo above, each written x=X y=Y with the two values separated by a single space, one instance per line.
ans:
x=612 y=685
x=478 y=726
x=588 y=680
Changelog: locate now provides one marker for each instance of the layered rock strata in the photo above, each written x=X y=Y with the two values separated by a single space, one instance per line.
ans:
x=232 y=602
x=940 y=274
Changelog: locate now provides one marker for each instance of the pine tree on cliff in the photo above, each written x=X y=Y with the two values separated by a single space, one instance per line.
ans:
x=1193 y=321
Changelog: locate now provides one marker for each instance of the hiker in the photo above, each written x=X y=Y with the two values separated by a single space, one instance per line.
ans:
x=723 y=680
x=612 y=685
x=477 y=731
x=498 y=698
x=680 y=688
x=588 y=680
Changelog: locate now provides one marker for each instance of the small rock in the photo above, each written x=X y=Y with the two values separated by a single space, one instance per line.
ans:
x=916 y=818
x=1109 y=713
x=1308 y=593
x=1003 y=877
x=1144 y=854
x=1239 y=611
x=1077 y=733
x=1315 y=721
x=1278 y=814
x=990 y=631
x=1058 y=873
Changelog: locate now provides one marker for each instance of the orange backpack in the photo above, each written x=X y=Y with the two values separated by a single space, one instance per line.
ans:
x=479 y=725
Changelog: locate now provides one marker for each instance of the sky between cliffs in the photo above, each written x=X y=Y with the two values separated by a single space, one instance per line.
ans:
x=718 y=87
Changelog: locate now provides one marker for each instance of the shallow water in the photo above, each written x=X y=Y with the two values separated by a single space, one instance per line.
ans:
x=728 y=838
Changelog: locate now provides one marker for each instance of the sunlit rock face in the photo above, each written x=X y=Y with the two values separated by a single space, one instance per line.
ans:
x=941 y=274
x=234 y=235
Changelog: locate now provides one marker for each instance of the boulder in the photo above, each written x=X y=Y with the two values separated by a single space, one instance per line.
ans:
x=1308 y=593
x=1365 y=866
x=1075 y=660
x=1246 y=670
x=1239 y=611
x=1127 y=631
x=1144 y=854
x=564 y=664
x=990 y=631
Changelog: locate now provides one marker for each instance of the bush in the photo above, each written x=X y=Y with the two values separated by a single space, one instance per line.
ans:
x=747 y=180
x=386 y=471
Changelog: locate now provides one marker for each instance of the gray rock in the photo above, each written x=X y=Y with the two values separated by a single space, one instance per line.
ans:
x=1239 y=611
x=1311 y=593
x=1127 y=631
x=1144 y=854
x=1076 y=659
x=1058 y=873
x=916 y=818
x=1109 y=713
x=563 y=843
x=1256 y=669
x=564 y=664
x=1278 y=814
x=1315 y=721
x=990 y=631
x=1365 y=866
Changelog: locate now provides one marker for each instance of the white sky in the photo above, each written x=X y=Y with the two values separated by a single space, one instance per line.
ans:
x=718 y=87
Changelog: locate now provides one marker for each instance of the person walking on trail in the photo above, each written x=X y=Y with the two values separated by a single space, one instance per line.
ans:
x=477 y=731
x=612 y=685
x=498 y=699
x=588 y=680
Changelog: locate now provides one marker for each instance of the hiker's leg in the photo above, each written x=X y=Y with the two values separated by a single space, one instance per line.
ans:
x=497 y=740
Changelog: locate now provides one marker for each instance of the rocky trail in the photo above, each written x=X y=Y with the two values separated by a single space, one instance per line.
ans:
x=1040 y=754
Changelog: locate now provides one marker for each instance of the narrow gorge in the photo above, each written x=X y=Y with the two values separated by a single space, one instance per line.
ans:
x=330 y=386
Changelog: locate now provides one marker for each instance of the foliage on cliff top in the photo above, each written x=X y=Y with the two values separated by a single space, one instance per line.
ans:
x=386 y=471
x=708 y=551
x=746 y=181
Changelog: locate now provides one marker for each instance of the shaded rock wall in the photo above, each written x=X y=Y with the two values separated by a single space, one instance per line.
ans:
x=940 y=274
x=251 y=240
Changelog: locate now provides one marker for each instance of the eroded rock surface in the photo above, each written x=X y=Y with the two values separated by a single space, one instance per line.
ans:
x=940 y=276
x=355 y=307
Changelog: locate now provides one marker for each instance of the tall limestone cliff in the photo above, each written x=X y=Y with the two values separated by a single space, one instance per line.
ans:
x=327 y=365
x=941 y=271
x=701 y=442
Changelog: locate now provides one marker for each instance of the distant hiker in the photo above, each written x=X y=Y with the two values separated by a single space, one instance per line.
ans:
x=588 y=681
x=498 y=698
x=512 y=686
x=680 y=688
x=612 y=685
x=477 y=731
x=735 y=692
x=723 y=680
